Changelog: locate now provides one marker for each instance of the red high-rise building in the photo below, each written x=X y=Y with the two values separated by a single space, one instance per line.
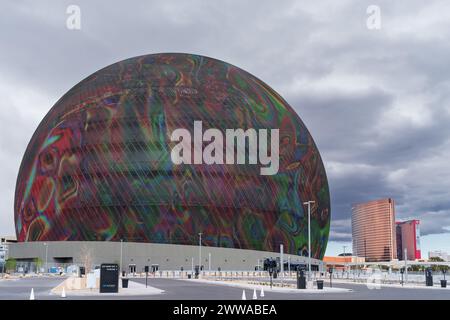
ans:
x=408 y=237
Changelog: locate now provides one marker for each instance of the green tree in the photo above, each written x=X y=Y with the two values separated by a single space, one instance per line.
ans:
x=438 y=267
x=10 y=264
x=415 y=268
x=436 y=259
x=38 y=262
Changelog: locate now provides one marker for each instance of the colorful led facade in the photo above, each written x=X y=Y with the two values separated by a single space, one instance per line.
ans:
x=98 y=167
x=373 y=230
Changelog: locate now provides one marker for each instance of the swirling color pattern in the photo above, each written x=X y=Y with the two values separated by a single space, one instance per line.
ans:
x=98 y=167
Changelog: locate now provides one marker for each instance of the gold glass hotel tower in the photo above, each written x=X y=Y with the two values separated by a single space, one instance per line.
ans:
x=373 y=230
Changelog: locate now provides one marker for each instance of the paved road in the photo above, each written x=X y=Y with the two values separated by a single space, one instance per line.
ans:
x=21 y=288
x=180 y=290
x=176 y=289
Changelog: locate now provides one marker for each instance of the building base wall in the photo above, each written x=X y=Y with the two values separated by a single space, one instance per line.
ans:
x=166 y=256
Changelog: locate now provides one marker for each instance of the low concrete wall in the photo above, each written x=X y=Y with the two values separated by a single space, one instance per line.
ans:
x=167 y=256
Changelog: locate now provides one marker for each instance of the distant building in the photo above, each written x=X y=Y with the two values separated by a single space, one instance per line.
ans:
x=3 y=253
x=4 y=242
x=8 y=239
x=373 y=230
x=439 y=254
x=340 y=261
x=408 y=237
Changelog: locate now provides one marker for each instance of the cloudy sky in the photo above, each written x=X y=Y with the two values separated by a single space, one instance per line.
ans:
x=377 y=101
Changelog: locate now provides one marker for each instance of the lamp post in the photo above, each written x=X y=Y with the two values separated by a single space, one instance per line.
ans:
x=308 y=203
x=46 y=255
x=209 y=261
x=200 y=251
x=121 y=251
x=345 y=264
x=289 y=265
x=281 y=263
x=355 y=253
x=406 y=265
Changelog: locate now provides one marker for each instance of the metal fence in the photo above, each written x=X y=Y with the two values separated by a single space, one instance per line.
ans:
x=27 y=267
x=357 y=276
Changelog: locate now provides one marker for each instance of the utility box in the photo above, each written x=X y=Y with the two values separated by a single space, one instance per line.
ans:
x=429 y=277
x=197 y=272
x=301 y=280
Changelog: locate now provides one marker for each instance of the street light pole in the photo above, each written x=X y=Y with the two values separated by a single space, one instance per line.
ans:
x=406 y=265
x=345 y=265
x=308 y=203
x=281 y=263
x=200 y=251
x=121 y=251
x=209 y=260
x=355 y=253
x=289 y=265
x=46 y=255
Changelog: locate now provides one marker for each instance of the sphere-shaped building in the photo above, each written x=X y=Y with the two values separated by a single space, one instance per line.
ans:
x=99 y=166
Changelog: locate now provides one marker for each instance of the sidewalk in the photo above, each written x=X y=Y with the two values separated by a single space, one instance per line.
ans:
x=134 y=289
x=390 y=285
x=246 y=285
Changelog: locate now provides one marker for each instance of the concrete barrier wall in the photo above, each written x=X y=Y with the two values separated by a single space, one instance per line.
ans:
x=167 y=256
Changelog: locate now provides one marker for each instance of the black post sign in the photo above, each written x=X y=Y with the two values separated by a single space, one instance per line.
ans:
x=146 y=275
x=109 y=278
x=331 y=277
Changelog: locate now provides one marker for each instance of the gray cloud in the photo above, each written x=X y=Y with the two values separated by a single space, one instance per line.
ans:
x=376 y=102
